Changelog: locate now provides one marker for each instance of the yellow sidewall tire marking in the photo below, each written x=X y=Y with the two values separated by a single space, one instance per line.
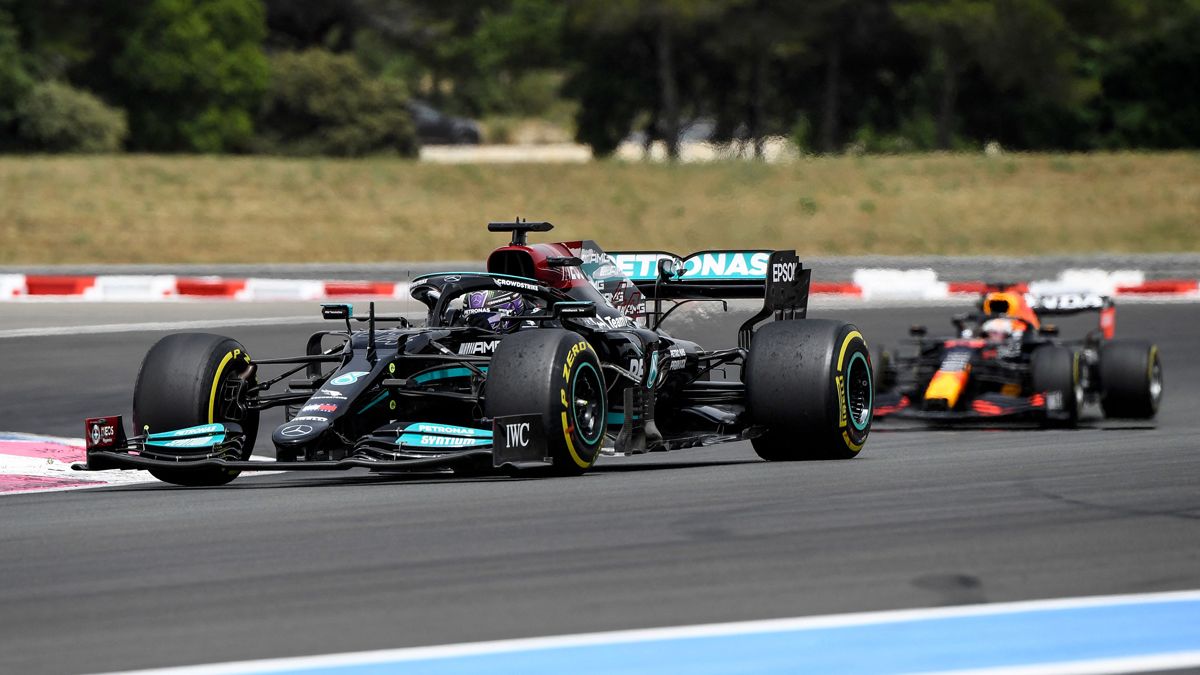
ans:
x=854 y=447
x=571 y=446
x=212 y=397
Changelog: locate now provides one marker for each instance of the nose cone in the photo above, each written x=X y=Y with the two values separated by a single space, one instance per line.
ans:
x=299 y=431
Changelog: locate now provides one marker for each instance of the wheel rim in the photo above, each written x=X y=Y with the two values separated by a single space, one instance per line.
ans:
x=587 y=404
x=859 y=392
x=230 y=408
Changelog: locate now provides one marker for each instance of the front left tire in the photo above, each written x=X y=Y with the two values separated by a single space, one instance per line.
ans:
x=188 y=379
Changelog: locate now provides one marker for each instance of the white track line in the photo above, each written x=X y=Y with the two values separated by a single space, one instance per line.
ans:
x=703 y=630
x=155 y=326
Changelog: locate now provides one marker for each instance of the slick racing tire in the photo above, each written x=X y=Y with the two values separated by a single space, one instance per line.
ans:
x=556 y=374
x=189 y=379
x=1054 y=371
x=1131 y=379
x=809 y=382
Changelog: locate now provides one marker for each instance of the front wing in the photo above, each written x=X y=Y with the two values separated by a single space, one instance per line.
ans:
x=986 y=407
x=411 y=447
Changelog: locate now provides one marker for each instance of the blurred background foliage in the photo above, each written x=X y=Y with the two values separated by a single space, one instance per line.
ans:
x=331 y=77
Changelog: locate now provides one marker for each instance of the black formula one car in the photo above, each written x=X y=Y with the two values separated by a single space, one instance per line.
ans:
x=551 y=358
x=1005 y=363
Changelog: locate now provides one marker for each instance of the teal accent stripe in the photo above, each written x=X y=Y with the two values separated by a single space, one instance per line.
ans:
x=372 y=403
x=444 y=374
x=617 y=418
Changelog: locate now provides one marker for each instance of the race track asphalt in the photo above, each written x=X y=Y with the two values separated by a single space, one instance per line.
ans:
x=295 y=564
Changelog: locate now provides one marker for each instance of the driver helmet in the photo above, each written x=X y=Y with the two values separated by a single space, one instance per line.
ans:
x=999 y=330
x=485 y=308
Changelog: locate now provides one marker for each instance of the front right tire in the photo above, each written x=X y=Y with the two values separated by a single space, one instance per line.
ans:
x=556 y=374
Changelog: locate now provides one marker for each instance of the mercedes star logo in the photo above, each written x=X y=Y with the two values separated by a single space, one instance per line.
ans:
x=295 y=430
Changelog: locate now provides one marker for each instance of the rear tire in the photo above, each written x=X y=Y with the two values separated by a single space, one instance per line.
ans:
x=556 y=374
x=1054 y=371
x=1131 y=380
x=809 y=382
x=184 y=381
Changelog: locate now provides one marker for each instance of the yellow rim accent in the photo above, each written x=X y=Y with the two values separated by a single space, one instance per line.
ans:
x=849 y=443
x=212 y=397
x=1150 y=366
x=846 y=343
x=841 y=359
x=571 y=446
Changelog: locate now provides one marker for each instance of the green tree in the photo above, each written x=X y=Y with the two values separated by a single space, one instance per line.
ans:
x=192 y=73
x=326 y=104
x=15 y=79
x=55 y=117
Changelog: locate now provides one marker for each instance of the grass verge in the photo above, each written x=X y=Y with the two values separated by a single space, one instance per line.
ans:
x=130 y=209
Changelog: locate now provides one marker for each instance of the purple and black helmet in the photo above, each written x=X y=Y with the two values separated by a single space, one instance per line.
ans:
x=492 y=305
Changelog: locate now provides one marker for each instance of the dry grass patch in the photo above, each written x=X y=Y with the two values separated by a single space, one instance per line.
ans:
x=125 y=209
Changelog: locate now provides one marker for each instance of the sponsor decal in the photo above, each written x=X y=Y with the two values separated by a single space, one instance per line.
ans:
x=102 y=433
x=195 y=442
x=590 y=255
x=606 y=270
x=956 y=361
x=517 y=435
x=429 y=435
x=1067 y=301
x=578 y=347
x=332 y=393
x=783 y=272
x=452 y=278
x=840 y=384
x=320 y=407
x=309 y=418
x=605 y=322
x=476 y=348
x=348 y=378
x=706 y=266
x=295 y=430
x=637 y=367
x=678 y=358
x=510 y=283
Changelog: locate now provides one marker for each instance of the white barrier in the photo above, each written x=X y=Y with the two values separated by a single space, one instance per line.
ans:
x=920 y=284
x=281 y=289
x=131 y=288
x=12 y=286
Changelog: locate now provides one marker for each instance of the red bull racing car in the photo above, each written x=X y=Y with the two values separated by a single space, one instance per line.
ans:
x=551 y=358
x=1005 y=362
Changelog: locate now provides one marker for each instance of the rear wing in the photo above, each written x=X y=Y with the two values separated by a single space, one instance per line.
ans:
x=1064 y=304
x=778 y=277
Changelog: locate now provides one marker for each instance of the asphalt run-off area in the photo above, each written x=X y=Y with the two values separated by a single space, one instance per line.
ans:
x=998 y=550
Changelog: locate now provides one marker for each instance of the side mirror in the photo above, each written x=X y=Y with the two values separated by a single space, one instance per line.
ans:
x=669 y=269
x=337 y=312
x=573 y=310
x=917 y=330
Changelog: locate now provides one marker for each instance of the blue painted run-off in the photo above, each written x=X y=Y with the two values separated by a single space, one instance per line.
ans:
x=1022 y=637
